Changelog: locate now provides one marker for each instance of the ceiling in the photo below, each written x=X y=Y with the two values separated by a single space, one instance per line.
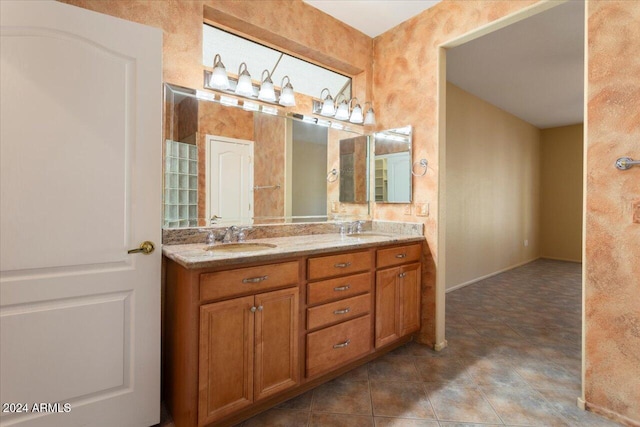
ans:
x=372 y=17
x=533 y=69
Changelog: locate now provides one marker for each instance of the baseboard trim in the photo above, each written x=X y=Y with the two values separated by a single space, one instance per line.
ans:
x=578 y=261
x=612 y=415
x=582 y=404
x=495 y=273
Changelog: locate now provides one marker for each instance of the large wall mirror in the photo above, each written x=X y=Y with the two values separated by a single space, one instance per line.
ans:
x=232 y=164
x=392 y=165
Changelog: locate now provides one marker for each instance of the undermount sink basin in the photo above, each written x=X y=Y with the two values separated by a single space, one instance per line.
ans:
x=240 y=247
x=367 y=235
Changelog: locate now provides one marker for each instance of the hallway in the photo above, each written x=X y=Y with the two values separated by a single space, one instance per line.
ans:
x=513 y=359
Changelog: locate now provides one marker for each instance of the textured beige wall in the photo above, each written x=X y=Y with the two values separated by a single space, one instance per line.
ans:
x=493 y=189
x=561 y=177
x=612 y=257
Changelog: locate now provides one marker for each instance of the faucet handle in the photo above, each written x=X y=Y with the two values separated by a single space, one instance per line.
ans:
x=242 y=233
x=211 y=238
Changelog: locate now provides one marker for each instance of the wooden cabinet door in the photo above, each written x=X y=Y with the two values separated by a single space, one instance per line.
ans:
x=276 y=347
x=387 y=304
x=409 y=287
x=226 y=358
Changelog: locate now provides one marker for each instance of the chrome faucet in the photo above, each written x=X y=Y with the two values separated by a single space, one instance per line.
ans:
x=356 y=226
x=229 y=234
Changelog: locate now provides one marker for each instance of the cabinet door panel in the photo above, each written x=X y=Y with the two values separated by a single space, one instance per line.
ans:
x=387 y=304
x=226 y=358
x=276 y=362
x=409 y=299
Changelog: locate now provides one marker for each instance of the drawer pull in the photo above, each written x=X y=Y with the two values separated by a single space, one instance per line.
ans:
x=342 y=265
x=255 y=279
x=343 y=311
x=342 y=288
x=401 y=256
x=342 y=345
x=402 y=275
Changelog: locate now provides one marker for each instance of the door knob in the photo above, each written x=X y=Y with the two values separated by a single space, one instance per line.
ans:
x=146 y=248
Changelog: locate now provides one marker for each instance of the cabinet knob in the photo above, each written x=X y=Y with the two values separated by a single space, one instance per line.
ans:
x=253 y=309
x=260 y=308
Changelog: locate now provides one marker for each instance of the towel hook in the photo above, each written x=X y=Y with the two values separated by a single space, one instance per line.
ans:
x=332 y=173
x=423 y=164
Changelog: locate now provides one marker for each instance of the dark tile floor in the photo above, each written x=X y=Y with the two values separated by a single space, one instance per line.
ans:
x=513 y=359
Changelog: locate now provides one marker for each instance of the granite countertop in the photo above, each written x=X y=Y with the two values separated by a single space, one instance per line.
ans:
x=194 y=255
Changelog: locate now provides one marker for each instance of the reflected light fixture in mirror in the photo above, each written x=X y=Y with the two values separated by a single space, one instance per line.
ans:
x=267 y=92
x=342 y=113
x=356 y=112
x=287 y=97
x=328 y=108
x=244 y=87
x=219 y=78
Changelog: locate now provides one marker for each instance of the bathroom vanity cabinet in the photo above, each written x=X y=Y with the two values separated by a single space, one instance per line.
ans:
x=241 y=338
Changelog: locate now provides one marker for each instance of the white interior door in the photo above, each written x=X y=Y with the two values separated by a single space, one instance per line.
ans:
x=80 y=184
x=230 y=170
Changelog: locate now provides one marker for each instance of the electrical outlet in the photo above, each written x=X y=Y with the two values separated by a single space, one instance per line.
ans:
x=335 y=207
x=526 y=242
x=407 y=209
x=422 y=209
x=636 y=211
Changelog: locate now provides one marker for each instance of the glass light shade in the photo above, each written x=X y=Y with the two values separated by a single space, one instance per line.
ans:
x=370 y=117
x=343 y=111
x=328 y=109
x=245 y=86
x=287 y=98
x=356 y=114
x=219 y=78
x=267 y=93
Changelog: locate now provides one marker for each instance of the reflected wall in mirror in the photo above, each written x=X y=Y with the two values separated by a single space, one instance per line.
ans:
x=392 y=165
x=354 y=170
x=244 y=166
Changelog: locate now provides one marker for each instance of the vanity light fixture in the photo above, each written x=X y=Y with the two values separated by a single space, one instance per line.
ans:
x=356 y=112
x=244 y=87
x=219 y=78
x=287 y=98
x=267 y=92
x=328 y=108
x=370 y=117
x=342 y=113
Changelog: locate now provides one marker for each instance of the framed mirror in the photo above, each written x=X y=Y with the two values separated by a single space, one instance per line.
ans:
x=232 y=162
x=392 y=165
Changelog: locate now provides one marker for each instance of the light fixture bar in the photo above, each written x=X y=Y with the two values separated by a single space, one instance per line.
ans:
x=233 y=82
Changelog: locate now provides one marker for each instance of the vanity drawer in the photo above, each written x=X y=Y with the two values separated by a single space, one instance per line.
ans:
x=240 y=281
x=330 y=347
x=398 y=255
x=342 y=287
x=337 y=265
x=338 y=311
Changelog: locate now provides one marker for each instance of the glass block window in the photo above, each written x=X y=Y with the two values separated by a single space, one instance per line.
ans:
x=180 y=185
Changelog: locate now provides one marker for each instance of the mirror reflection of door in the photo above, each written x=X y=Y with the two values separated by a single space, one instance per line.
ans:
x=230 y=179
x=309 y=172
x=398 y=175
